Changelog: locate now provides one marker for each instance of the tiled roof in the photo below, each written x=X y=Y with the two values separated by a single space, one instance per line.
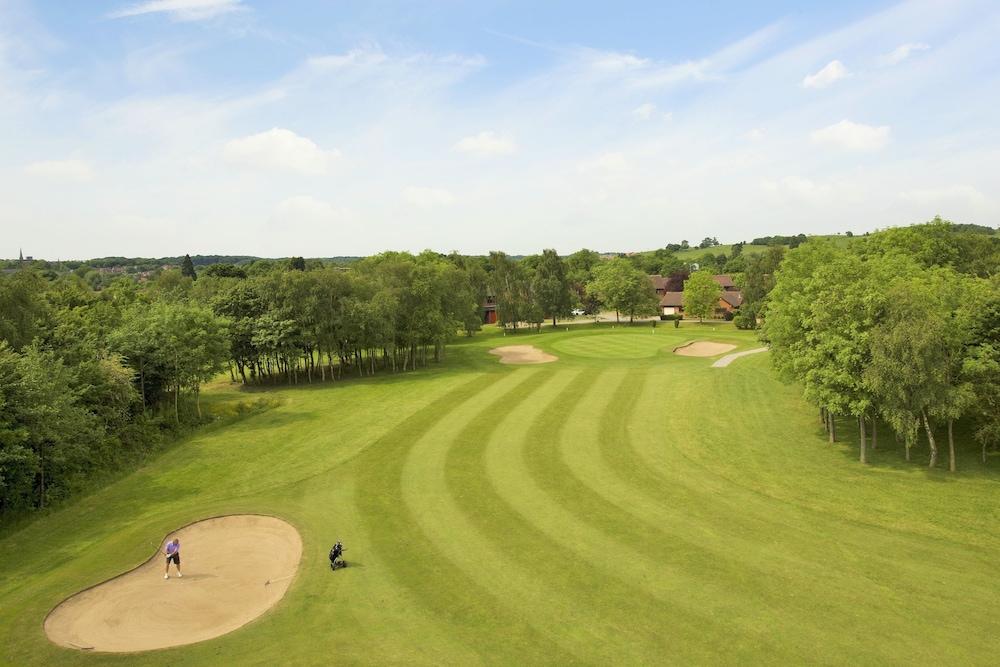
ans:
x=672 y=299
x=734 y=299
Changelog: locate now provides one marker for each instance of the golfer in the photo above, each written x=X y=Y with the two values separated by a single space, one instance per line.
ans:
x=173 y=552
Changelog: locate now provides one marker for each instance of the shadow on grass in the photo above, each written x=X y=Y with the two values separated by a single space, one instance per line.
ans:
x=890 y=455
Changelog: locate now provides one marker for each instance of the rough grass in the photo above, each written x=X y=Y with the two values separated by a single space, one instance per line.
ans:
x=621 y=505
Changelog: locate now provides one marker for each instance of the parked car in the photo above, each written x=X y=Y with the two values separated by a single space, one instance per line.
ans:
x=578 y=311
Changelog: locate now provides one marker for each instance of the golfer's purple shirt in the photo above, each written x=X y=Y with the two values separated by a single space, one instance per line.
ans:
x=173 y=548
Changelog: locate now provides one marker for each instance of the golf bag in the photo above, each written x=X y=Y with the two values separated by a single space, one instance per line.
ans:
x=336 y=556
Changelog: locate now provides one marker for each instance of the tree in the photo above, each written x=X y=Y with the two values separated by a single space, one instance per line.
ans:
x=297 y=264
x=551 y=287
x=982 y=367
x=509 y=288
x=187 y=268
x=22 y=307
x=625 y=288
x=701 y=294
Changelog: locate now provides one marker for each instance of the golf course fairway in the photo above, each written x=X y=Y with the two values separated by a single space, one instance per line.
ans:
x=620 y=505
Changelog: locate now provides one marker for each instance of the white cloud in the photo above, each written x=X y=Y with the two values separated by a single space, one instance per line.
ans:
x=78 y=171
x=422 y=197
x=486 y=144
x=279 y=148
x=181 y=10
x=798 y=189
x=946 y=196
x=354 y=58
x=308 y=212
x=903 y=51
x=606 y=163
x=856 y=137
x=833 y=72
x=644 y=111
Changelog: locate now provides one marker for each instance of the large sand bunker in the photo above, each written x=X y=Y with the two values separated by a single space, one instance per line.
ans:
x=703 y=348
x=226 y=562
x=522 y=354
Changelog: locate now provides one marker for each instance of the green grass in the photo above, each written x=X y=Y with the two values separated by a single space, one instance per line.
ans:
x=622 y=505
x=694 y=254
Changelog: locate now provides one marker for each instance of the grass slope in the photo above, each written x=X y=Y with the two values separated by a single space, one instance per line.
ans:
x=694 y=254
x=620 y=505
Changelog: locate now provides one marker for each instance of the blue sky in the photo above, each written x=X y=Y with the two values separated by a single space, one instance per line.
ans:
x=157 y=127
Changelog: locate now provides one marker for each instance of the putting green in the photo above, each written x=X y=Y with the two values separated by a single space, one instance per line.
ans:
x=627 y=509
x=615 y=345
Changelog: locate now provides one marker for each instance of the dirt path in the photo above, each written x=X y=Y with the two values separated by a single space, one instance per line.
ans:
x=522 y=354
x=226 y=562
x=730 y=358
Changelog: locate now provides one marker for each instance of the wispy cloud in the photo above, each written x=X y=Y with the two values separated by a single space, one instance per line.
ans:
x=945 y=197
x=644 y=111
x=834 y=71
x=72 y=170
x=850 y=136
x=486 y=144
x=423 y=197
x=904 y=51
x=279 y=148
x=304 y=211
x=181 y=10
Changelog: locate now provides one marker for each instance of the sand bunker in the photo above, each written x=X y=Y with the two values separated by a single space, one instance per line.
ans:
x=522 y=354
x=226 y=562
x=703 y=348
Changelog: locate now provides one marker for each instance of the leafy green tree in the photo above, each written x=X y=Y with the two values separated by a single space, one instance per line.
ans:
x=623 y=287
x=982 y=368
x=45 y=435
x=551 y=286
x=187 y=268
x=701 y=295
x=510 y=290
x=22 y=307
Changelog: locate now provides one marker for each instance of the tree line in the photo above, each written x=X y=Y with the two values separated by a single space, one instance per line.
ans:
x=901 y=329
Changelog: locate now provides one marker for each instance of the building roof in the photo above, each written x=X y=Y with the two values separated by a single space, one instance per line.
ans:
x=734 y=299
x=725 y=282
x=672 y=299
x=659 y=282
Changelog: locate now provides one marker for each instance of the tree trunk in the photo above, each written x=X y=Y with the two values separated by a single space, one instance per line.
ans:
x=951 y=448
x=833 y=427
x=874 y=433
x=864 y=444
x=553 y=321
x=197 y=400
x=618 y=318
x=984 y=452
x=930 y=440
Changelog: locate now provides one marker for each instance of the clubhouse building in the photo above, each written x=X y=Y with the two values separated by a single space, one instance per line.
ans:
x=670 y=289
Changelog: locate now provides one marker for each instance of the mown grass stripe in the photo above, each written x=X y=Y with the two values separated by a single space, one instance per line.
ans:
x=478 y=474
x=456 y=598
x=444 y=518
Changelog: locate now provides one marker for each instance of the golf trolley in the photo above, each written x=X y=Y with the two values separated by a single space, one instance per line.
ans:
x=336 y=556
